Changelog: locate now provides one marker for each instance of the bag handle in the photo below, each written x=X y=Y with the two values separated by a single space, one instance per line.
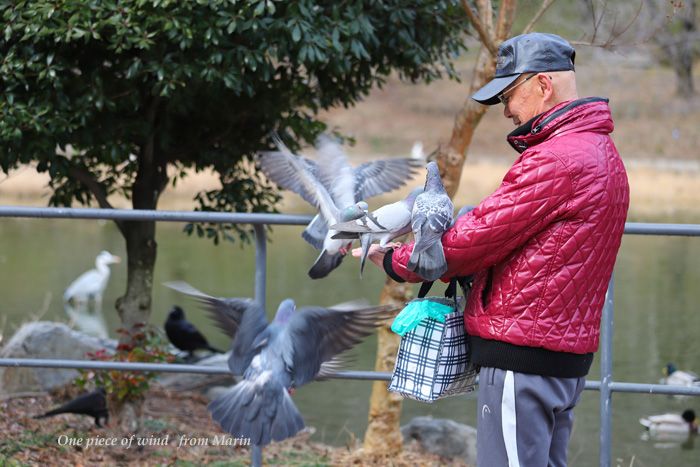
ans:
x=451 y=290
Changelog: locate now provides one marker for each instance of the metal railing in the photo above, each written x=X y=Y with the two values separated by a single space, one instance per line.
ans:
x=606 y=385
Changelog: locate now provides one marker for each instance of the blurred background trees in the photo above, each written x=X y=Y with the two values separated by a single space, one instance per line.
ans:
x=123 y=97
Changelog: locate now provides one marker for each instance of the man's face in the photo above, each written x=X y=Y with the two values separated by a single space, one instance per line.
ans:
x=523 y=99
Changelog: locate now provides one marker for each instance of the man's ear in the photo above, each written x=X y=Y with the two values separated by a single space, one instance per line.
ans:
x=545 y=85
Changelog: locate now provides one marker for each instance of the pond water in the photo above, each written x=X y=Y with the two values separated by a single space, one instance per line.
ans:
x=656 y=319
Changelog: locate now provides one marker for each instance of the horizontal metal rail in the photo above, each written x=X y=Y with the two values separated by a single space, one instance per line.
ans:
x=631 y=228
x=615 y=386
x=161 y=367
x=155 y=215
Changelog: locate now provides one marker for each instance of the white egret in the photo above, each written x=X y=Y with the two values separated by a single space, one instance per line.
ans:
x=91 y=284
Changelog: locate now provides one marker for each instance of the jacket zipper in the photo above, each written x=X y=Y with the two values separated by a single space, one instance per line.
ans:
x=565 y=109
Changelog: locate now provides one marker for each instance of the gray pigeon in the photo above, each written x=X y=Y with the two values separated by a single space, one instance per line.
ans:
x=275 y=358
x=383 y=225
x=335 y=188
x=431 y=217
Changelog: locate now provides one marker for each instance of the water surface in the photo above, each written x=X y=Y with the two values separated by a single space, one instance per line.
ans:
x=656 y=320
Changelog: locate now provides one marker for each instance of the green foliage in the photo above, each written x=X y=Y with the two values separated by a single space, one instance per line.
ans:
x=142 y=345
x=141 y=88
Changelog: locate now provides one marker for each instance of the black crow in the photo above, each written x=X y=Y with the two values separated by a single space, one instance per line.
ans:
x=183 y=334
x=92 y=403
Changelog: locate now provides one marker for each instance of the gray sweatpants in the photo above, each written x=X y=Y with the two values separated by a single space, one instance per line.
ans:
x=524 y=420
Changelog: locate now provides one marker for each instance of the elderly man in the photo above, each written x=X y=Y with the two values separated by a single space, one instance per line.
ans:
x=541 y=249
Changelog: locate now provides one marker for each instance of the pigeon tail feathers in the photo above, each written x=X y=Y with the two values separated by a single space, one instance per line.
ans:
x=262 y=414
x=365 y=243
x=430 y=264
x=325 y=263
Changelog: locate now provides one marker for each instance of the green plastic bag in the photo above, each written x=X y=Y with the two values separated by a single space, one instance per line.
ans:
x=419 y=309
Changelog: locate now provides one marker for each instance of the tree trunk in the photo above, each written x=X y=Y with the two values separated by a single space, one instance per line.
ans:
x=383 y=435
x=676 y=37
x=151 y=179
x=686 y=44
x=134 y=307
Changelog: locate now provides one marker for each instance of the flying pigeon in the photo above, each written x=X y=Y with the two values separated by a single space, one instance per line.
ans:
x=383 y=225
x=92 y=403
x=275 y=358
x=431 y=217
x=183 y=335
x=335 y=188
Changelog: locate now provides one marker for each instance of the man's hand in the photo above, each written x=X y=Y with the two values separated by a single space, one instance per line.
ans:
x=376 y=253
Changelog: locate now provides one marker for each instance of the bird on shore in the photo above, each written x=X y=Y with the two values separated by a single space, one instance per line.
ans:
x=184 y=335
x=93 y=404
x=277 y=357
x=671 y=423
x=91 y=284
x=335 y=188
x=431 y=216
x=382 y=225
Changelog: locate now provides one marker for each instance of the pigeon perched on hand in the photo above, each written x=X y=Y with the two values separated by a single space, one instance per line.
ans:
x=431 y=217
x=383 y=225
x=183 y=335
x=335 y=188
x=92 y=403
x=278 y=357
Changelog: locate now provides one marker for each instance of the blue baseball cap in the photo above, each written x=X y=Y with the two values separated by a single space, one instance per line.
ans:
x=534 y=52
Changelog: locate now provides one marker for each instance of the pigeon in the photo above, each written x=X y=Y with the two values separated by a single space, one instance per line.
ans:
x=382 y=225
x=278 y=357
x=92 y=403
x=335 y=188
x=431 y=216
x=91 y=284
x=183 y=335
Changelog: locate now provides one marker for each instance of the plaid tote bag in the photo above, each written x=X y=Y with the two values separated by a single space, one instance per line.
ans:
x=433 y=358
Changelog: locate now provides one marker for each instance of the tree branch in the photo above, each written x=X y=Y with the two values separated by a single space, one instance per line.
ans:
x=506 y=15
x=96 y=188
x=479 y=26
x=543 y=8
x=614 y=35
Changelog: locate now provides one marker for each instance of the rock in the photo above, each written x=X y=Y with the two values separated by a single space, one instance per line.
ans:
x=43 y=339
x=199 y=381
x=443 y=437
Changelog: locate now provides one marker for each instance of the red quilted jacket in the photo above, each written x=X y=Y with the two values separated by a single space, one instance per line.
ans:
x=542 y=247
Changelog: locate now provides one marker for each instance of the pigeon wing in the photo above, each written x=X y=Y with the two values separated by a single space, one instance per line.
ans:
x=335 y=172
x=226 y=312
x=318 y=334
x=315 y=233
x=300 y=176
x=241 y=318
x=252 y=334
x=441 y=213
x=377 y=177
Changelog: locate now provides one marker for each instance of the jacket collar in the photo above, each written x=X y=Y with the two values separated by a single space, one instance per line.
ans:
x=591 y=113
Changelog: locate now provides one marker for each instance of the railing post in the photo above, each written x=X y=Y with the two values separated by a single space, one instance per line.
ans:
x=260 y=288
x=260 y=263
x=606 y=340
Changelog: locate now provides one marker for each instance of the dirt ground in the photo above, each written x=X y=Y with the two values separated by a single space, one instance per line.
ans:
x=182 y=418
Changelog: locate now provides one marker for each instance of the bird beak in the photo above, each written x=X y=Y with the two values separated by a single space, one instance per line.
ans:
x=116 y=259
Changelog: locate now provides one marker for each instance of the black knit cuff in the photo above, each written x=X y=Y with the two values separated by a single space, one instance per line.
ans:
x=388 y=268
